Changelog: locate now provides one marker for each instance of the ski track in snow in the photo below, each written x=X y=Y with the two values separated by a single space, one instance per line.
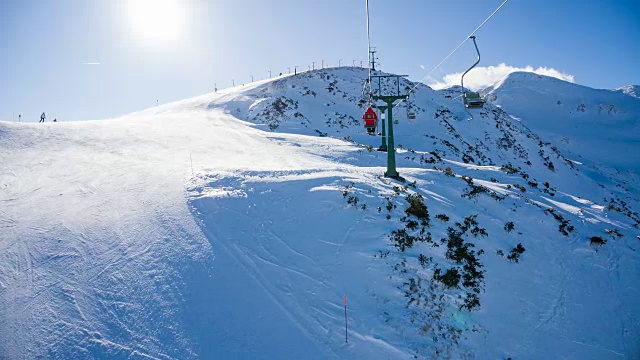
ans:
x=294 y=291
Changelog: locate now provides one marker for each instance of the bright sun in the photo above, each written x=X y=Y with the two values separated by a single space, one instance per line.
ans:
x=157 y=21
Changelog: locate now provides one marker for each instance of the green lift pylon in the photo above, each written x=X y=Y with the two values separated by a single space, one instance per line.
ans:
x=389 y=99
x=383 y=110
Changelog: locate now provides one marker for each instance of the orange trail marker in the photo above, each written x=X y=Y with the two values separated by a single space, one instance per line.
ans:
x=346 y=336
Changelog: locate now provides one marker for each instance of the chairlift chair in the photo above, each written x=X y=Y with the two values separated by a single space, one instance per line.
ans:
x=411 y=114
x=472 y=100
x=370 y=119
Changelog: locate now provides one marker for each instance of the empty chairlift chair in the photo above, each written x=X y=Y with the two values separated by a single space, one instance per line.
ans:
x=411 y=115
x=472 y=100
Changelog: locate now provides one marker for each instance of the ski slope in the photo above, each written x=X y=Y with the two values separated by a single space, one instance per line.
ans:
x=95 y=216
x=224 y=226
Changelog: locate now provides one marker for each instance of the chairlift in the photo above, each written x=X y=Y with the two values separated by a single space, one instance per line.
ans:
x=411 y=114
x=472 y=100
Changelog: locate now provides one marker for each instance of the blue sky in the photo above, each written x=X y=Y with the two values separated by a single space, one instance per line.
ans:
x=44 y=45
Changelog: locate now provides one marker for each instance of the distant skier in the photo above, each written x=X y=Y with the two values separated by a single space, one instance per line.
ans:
x=42 y=117
x=55 y=120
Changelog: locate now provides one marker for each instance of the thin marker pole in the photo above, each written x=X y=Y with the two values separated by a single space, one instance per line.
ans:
x=191 y=163
x=346 y=336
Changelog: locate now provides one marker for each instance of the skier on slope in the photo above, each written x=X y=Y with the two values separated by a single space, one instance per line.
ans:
x=42 y=117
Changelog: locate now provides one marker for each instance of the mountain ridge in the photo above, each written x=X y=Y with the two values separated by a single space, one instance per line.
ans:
x=631 y=90
x=233 y=224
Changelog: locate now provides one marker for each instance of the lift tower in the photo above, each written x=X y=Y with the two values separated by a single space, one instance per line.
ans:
x=389 y=94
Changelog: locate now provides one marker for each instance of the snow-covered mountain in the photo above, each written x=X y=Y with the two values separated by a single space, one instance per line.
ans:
x=594 y=126
x=233 y=224
x=631 y=90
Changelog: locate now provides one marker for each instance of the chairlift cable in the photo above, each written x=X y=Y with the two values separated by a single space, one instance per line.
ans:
x=369 y=51
x=454 y=50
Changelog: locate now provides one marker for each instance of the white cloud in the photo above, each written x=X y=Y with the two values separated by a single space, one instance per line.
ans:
x=91 y=63
x=481 y=77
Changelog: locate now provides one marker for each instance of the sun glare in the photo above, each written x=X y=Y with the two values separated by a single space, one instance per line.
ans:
x=160 y=22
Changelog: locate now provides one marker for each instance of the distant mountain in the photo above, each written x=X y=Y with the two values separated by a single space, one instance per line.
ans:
x=631 y=90
x=593 y=126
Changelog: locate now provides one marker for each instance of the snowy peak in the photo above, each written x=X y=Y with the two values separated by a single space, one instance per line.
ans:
x=531 y=96
x=594 y=125
x=524 y=78
x=531 y=84
x=631 y=90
